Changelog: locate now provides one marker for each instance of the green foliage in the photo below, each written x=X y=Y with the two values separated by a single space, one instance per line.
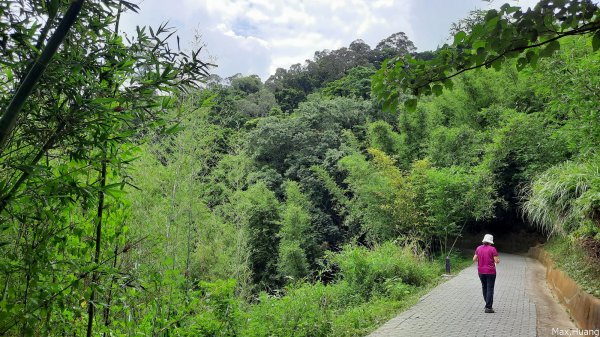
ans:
x=525 y=144
x=295 y=234
x=568 y=82
x=428 y=204
x=292 y=145
x=212 y=309
x=507 y=33
x=217 y=313
x=573 y=258
x=342 y=72
x=154 y=208
x=293 y=264
x=382 y=137
x=303 y=311
x=382 y=270
x=167 y=203
x=373 y=284
x=454 y=146
x=256 y=211
x=361 y=319
x=450 y=197
x=238 y=105
x=565 y=199
x=249 y=84
x=383 y=201
x=334 y=190
x=312 y=135
x=66 y=162
x=231 y=172
x=357 y=84
x=396 y=44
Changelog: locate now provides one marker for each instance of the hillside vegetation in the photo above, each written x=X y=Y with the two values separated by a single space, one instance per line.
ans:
x=142 y=196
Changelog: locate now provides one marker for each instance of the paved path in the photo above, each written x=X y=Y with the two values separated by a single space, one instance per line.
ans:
x=455 y=308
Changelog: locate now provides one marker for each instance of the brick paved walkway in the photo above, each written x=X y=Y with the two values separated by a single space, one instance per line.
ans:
x=455 y=307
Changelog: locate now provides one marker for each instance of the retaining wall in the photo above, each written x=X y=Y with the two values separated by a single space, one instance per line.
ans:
x=584 y=308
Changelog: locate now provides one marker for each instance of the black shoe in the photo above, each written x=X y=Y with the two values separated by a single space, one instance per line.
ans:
x=489 y=311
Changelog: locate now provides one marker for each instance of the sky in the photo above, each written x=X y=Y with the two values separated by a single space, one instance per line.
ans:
x=259 y=36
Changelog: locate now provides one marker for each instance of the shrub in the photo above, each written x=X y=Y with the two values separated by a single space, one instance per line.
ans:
x=572 y=257
x=460 y=145
x=341 y=295
x=373 y=285
x=371 y=272
x=218 y=310
x=383 y=138
x=301 y=312
x=397 y=290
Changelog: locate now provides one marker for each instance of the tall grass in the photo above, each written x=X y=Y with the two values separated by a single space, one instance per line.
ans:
x=371 y=271
x=565 y=199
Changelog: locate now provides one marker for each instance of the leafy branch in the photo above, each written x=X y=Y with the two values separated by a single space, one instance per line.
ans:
x=9 y=118
x=500 y=35
x=491 y=61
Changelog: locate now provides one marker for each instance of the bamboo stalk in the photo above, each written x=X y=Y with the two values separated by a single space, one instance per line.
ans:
x=9 y=118
x=96 y=275
x=110 y=290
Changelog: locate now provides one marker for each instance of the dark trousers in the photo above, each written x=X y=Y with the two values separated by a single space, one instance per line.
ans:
x=487 y=285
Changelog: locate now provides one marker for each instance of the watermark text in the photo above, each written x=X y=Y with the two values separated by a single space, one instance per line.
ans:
x=575 y=332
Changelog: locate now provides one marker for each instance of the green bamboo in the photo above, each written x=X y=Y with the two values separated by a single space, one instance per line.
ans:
x=4 y=200
x=9 y=118
x=95 y=275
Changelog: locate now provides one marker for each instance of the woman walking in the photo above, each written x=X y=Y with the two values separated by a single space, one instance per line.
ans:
x=487 y=257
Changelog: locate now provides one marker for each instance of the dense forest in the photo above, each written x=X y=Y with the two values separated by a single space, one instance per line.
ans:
x=141 y=195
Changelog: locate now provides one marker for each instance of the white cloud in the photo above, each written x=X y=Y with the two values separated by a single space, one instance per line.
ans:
x=293 y=16
x=257 y=16
x=383 y=3
x=257 y=36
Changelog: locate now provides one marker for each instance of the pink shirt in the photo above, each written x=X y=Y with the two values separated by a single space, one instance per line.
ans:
x=485 y=259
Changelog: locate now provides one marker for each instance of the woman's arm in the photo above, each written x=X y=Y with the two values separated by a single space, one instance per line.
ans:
x=475 y=257
x=496 y=259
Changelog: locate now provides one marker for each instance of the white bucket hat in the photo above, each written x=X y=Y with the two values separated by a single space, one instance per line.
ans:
x=489 y=238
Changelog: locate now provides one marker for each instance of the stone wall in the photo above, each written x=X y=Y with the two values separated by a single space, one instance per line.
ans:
x=583 y=307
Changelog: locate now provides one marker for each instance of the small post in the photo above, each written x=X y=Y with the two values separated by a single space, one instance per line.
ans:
x=448 y=265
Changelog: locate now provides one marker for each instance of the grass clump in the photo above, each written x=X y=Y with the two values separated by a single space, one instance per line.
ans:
x=565 y=199
x=383 y=270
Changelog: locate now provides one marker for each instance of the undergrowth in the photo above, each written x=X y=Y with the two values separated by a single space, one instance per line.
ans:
x=570 y=257
x=372 y=286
